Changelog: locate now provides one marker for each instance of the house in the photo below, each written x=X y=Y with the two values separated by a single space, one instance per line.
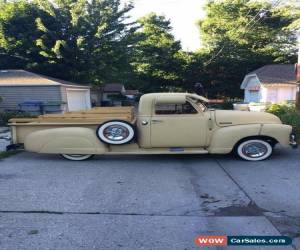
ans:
x=112 y=94
x=19 y=86
x=112 y=90
x=131 y=93
x=105 y=95
x=271 y=83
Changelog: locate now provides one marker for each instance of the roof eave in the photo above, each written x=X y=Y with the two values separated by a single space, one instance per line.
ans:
x=245 y=81
x=28 y=84
x=75 y=86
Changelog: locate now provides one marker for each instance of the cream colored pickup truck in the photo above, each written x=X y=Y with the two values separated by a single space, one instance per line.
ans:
x=165 y=123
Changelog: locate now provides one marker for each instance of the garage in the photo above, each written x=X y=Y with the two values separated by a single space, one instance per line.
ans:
x=19 y=88
x=78 y=99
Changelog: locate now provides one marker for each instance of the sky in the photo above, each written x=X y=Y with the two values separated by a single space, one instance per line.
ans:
x=182 y=13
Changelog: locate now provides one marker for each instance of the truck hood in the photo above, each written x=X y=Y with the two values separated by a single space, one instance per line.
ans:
x=232 y=117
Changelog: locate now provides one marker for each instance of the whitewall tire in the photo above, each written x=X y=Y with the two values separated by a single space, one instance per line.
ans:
x=254 y=150
x=76 y=157
x=115 y=132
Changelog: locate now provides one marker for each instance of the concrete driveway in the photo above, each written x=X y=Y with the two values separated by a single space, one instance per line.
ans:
x=145 y=202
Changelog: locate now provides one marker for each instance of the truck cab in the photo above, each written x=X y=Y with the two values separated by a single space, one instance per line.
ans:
x=176 y=120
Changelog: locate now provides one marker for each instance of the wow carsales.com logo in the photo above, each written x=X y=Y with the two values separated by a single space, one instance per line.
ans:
x=222 y=240
x=205 y=241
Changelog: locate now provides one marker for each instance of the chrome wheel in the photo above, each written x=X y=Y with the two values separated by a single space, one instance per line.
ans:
x=115 y=132
x=76 y=157
x=254 y=150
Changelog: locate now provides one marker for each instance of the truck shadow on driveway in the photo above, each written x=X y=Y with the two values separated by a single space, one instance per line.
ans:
x=279 y=154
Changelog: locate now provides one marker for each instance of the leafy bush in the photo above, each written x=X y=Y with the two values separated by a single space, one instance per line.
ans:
x=287 y=114
x=5 y=116
x=281 y=109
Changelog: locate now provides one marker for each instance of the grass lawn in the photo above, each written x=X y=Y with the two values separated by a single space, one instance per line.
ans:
x=7 y=154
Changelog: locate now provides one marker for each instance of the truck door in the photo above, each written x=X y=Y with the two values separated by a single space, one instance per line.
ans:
x=178 y=125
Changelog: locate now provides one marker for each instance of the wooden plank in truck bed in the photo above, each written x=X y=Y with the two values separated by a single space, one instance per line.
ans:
x=98 y=110
x=92 y=116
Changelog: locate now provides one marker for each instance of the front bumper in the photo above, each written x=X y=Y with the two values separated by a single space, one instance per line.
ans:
x=293 y=140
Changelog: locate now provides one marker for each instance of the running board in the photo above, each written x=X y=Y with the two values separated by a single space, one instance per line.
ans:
x=156 y=151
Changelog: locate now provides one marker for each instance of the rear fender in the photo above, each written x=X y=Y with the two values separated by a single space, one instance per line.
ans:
x=69 y=140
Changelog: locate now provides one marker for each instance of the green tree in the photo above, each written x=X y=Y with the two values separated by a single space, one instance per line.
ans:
x=17 y=35
x=85 y=41
x=241 y=35
x=157 y=59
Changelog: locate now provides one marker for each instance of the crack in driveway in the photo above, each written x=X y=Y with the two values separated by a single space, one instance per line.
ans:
x=251 y=208
x=111 y=213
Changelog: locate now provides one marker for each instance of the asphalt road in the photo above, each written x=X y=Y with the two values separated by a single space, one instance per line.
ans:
x=145 y=202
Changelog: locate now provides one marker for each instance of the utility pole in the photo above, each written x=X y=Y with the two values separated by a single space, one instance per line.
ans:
x=298 y=75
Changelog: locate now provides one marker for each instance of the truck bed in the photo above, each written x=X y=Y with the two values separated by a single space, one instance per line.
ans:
x=92 y=118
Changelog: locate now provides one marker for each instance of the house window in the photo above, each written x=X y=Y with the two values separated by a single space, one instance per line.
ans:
x=174 y=109
x=254 y=88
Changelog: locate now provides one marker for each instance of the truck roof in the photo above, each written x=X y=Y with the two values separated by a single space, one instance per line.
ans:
x=147 y=100
x=175 y=94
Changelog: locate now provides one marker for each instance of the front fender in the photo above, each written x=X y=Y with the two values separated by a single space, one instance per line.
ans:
x=69 y=140
x=224 y=139
x=280 y=132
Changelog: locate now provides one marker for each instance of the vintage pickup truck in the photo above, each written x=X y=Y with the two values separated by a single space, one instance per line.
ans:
x=165 y=123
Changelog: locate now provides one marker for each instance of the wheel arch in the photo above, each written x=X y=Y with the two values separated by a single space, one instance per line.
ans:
x=224 y=139
x=266 y=138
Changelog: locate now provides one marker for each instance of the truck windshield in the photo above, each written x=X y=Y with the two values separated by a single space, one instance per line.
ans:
x=199 y=103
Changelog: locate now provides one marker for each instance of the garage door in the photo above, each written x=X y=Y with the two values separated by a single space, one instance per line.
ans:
x=78 y=99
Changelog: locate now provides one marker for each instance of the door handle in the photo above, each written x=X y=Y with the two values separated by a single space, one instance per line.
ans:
x=157 y=121
x=144 y=123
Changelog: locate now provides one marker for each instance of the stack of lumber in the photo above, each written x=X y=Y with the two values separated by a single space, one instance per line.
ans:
x=92 y=116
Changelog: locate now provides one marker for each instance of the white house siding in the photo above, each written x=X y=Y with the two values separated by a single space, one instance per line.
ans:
x=13 y=95
x=287 y=93
x=263 y=93
x=277 y=94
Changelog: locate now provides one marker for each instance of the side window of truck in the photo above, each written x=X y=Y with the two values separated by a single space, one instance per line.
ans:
x=175 y=109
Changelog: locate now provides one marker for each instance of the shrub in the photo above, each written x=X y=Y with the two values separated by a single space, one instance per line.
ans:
x=5 y=116
x=281 y=109
x=293 y=119
x=287 y=114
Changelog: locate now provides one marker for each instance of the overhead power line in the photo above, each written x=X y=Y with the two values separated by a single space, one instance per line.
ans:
x=259 y=13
